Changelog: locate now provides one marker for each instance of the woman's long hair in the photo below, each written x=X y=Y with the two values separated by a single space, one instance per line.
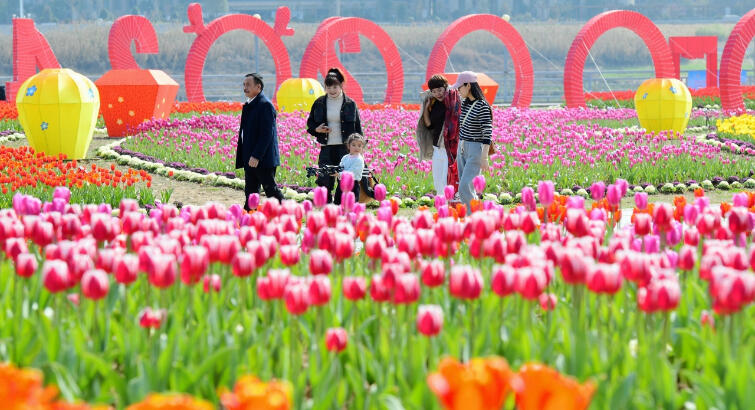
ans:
x=476 y=92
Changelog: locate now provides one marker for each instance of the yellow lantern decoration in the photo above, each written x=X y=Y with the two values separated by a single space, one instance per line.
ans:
x=663 y=104
x=298 y=94
x=58 y=109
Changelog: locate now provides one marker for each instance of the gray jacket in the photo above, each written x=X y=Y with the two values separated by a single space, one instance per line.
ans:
x=423 y=134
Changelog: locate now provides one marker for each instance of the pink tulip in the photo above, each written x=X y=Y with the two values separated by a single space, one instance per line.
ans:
x=614 y=195
x=690 y=214
x=149 y=318
x=503 y=280
x=319 y=290
x=55 y=276
x=659 y=295
x=253 y=201
x=641 y=200
x=707 y=319
x=211 y=283
x=406 y=289
x=465 y=282
x=296 y=298
x=545 y=192
x=603 y=278
x=320 y=262
x=320 y=196
x=429 y=319
x=547 y=301
x=598 y=190
x=528 y=198
x=479 y=183
x=379 y=291
x=642 y=224
x=380 y=192
x=663 y=214
x=15 y=246
x=652 y=243
x=289 y=255
x=336 y=339
x=125 y=268
x=433 y=273
x=63 y=193
x=26 y=265
x=243 y=264
x=449 y=192
x=574 y=265
x=740 y=199
x=273 y=286
x=354 y=287
x=162 y=273
x=127 y=205
x=347 y=181
x=95 y=284
x=531 y=282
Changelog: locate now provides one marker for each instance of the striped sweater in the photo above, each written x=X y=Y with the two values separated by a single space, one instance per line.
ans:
x=479 y=126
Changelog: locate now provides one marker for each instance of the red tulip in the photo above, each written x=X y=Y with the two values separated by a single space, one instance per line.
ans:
x=42 y=233
x=429 y=319
x=577 y=222
x=320 y=262
x=663 y=214
x=344 y=246
x=642 y=224
x=691 y=236
x=162 y=273
x=273 y=286
x=15 y=246
x=194 y=263
x=731 y=289
x=739 y=220
x=406 y=289
x=659 y=295
x=26 y=265
x=55 y=276
x=243 y=264
x=687 y=258
x=289 y=255
x=102 y=227
x=211 y=283
x=433 y=273
x=354 y=287
x=336 y=339
x=604 y=278
x=331 y=213
x=319 y=290
x=125 y=268
x=574 y=265
x=95 y=284
x=259 y=251
x=131 y=222
x=78 y=263
x=531 y=282
x=374 y=246
x=528 y=222
x=106 y=258
x=504 y=280
x=547 y=301
x=70 y=226
x=378 y=289
x=296 y=297
x=149 y=318
x=465 y=282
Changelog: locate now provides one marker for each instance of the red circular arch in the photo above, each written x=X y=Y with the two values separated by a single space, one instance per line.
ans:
x=206 y=36
x=505 y=32
x=731 y=62
x=320 y=54
x=642 y=26
x=125 y=29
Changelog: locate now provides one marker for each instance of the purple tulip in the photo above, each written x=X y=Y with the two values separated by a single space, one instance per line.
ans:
x=598 y=190
x=545 y=192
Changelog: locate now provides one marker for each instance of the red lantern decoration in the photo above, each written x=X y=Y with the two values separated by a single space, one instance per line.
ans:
x=130 y=97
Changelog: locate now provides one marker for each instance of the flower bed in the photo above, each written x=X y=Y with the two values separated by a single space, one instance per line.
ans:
x=567 y=146
x=355 y=308
x=33 y=173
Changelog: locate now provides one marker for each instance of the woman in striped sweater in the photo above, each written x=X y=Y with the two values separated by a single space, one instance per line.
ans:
x=475 y=133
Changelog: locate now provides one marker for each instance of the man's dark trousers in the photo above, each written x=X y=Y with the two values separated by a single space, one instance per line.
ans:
x=254 y=177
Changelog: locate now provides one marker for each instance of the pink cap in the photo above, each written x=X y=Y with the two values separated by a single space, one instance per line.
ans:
x=465 y=77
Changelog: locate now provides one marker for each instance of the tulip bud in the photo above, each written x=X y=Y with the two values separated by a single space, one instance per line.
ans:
x=448 y=192
x=63 y=193
x=662 y=216
x=162 y=272
x=55 y=276
x=243 y=264
x=320 y=262
x=26 y=265
x=598 y=190
x=707 y=319
x=336 y=339
x=379 y=291
x=380 y=192
x=149 y=318
x=211 y=282
x=319 y=290
x=687 y=258
x=604 y=278
x=429 y=319
x=95 y=284
x=547 y=301
x=504 y=280
x=296 y=298
x=347 y=181
x=690 y=214
x=642 y=224
x=614 y=195
x=253 y=201
x=465 y=282
x=125 y=268
x=479 y=183
x=528 y=198
x=320 y=196
x=406 y=289
x=433 y=273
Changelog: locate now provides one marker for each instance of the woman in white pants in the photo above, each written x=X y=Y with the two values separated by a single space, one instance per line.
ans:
x=437 y=131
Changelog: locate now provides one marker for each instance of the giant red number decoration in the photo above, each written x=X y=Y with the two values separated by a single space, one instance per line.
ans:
x=320 y=54
x=505 y=32
x=125 y=29
x=696 y=47
x=207 y=35
x=593 y=29
x=30 y=51
x=731 y=62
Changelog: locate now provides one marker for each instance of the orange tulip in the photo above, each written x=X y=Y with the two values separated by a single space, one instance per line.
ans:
x=539 y=387
x=480 y=384
x=725 y=208
x=699 y=192
x=250 y=393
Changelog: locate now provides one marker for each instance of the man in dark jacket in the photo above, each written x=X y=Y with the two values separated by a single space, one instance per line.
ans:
x=257 y=146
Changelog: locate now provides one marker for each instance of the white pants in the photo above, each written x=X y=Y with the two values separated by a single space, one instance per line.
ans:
x=440 y=169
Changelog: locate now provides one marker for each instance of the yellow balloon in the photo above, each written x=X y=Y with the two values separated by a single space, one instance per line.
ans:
x=663 y=104
x=298 y=94
x=58 y=109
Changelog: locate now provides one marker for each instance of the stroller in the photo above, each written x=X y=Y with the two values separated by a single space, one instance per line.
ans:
x=366 y=183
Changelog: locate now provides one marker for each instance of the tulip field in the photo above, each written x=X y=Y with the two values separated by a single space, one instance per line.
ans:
x=560 y=298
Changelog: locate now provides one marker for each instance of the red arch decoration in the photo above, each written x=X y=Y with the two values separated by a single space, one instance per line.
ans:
x=642 y=26
x=125 y=29
x=30 y=51
x=731 y=62
x=505 y=32
x=207 y=35
x=320 y=54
